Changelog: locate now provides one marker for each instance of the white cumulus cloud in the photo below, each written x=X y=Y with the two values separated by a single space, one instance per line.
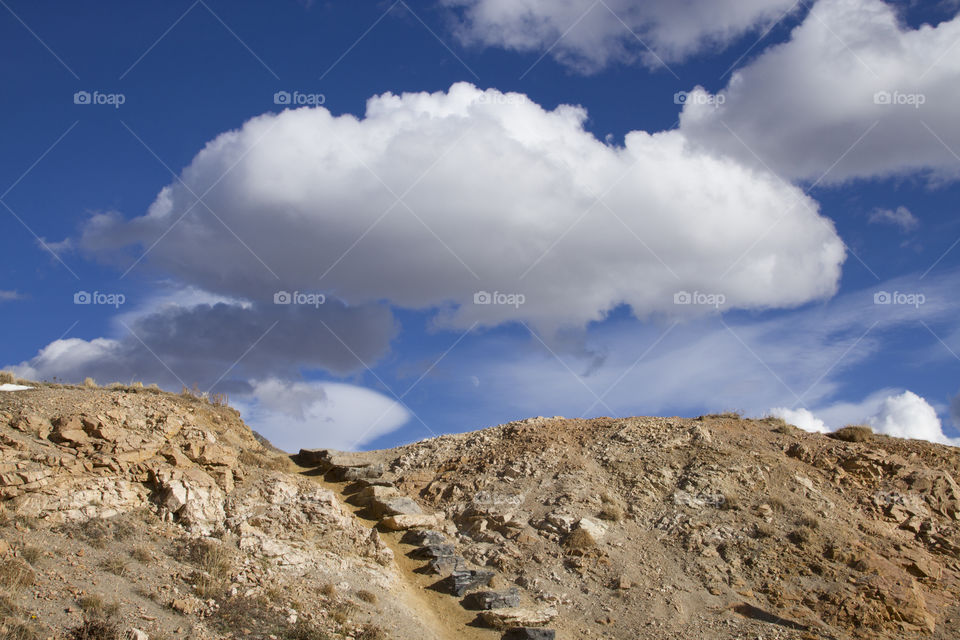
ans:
x=433 y=197
x=802 y=418
x=295 y=415
x=587 y=35
x=907 y=415
x=853 y=94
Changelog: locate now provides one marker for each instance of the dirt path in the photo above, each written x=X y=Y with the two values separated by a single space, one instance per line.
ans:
x=440 y=613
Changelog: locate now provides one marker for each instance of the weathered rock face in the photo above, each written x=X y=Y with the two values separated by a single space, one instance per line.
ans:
x=116 y=453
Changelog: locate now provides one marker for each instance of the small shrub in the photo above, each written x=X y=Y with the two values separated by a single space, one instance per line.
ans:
x=852 y=433
x=20 y=630
x=212 y=558
x=219 y=399
x=90 y=383
x=367 y=596
x=329 y=590
x=371 y=632
x=31 y=554
x=116 y=566
x=764 y=530
x=612 y=512
x=7 y=377
x=808 y=521
x=208 y=587
x=784 y=428
x=96 y=627
x=801 y=536
x=95 y=607
x=730 y=501
x=579 y=540
x=141 y=555
x=778 y=505
x=15 y=574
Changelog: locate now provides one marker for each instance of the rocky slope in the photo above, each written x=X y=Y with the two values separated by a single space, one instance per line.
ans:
x=133 y=511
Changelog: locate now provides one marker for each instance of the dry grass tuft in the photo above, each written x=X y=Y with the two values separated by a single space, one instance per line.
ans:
x=215 y=564
x=612 y=512
x=367 y=596
x=16 y=574
x=579 y=540
x=116 y=566
x=6 y=377
x=730 y=501
x=90 y=383
x=141 y=555
x=329 y=590
x=852 y=433
x=31 y=554
x=371 y=632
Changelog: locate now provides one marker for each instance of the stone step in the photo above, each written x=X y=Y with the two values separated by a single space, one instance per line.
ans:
x=342 y=473
x=529 y=633
x=487 y=600
x=330 y=458
x=459 y=582
x=395 y=506
x=517 y=617
x=404 y=522
x=423 y=537
x=446 y=565
x=433 y=551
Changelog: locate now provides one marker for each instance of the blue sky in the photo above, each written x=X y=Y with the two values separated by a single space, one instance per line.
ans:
x=681 y=209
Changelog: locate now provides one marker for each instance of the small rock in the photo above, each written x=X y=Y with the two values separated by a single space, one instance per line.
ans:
x=529 y=633
x=423 y=537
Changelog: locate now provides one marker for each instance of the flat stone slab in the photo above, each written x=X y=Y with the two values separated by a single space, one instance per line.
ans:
x=396 y=506
x=460 y=582
x=328 y=457
x=347 y=473
x=517 y=617
x=402 y=523
x=446 y=565
x=529 y=633
x=487 y=600
x=370 y=494
x=432 y=551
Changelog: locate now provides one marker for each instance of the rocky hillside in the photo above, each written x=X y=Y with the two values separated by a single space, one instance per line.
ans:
x=137 y=513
